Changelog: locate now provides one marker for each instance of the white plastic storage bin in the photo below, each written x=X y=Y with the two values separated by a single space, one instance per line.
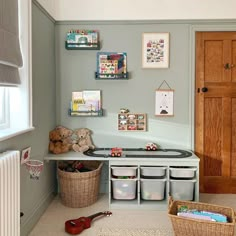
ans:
x=124 y=188
x=124 y=171
x=182 y=172
x=153 y=189
x=182 y=189
x=153 y=171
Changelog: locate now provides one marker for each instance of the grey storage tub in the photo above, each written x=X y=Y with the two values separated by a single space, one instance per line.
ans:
x=124 y=188
x=124 y=171
x=182 y=172
x=153 y=189
x=153 y=171
x=182 y=189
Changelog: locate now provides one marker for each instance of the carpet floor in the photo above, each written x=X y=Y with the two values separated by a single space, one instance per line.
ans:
x=122 y=222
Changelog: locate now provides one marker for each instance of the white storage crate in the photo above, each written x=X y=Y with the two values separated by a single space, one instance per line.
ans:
x=153 y=189
x=182 y=189
x=124 y=170
x=153 y=171
x=124 y=188
x=182 y=172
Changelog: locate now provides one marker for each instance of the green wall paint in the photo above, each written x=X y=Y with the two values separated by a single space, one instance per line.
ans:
x=76 y=68
x=36 y=195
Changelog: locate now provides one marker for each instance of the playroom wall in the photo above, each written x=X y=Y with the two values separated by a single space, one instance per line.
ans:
x=76 y=71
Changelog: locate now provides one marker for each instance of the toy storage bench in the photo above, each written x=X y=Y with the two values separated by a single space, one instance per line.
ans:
x=145 y=182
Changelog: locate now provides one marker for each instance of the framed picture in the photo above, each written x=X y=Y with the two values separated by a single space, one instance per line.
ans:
x=155 y=50
x=164 y=104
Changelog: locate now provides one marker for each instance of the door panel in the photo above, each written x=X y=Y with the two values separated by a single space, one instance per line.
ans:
x=212 y=137
x=215 y=111
x=233 y=71
x=213 y=61
x=233 y=154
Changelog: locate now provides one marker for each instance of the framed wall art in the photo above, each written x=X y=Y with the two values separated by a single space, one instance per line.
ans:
x=155 y=50
x=164 y=103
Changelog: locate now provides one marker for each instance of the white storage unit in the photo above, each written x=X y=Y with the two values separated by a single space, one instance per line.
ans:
x=155 y=180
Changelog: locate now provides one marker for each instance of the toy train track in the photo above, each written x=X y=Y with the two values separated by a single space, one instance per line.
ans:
x=163 y=153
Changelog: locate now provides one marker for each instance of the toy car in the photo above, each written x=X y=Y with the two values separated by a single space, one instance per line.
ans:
x=116 y=152
x=124 y=110
x=151 y=147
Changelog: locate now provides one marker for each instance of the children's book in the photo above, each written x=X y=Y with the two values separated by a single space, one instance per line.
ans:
x=82 y=38
x=86 y=101
x=111 y=64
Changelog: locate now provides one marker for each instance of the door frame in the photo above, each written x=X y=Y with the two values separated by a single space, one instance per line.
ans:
x=192 y=45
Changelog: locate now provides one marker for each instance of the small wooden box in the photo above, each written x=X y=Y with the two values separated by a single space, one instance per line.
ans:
x=132 y=122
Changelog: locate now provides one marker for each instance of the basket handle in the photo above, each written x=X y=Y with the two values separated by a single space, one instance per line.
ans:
x=170 y=201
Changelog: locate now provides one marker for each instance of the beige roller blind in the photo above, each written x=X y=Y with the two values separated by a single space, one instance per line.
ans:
x=10 y=53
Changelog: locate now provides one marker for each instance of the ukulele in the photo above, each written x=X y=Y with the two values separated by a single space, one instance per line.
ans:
x=76 y=226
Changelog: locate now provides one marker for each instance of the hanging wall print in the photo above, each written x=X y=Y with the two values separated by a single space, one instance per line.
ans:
x=155 y=50
x=164 y=102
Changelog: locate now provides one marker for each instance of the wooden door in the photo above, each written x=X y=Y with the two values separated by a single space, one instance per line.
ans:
x=215 y=111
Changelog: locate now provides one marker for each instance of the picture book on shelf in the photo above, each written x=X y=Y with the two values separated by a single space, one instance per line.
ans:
x=82 y=38
x=86 y=101
x=111 y=64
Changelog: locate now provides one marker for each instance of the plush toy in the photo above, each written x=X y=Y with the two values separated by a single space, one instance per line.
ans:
x=84 y=141
x=60 y=140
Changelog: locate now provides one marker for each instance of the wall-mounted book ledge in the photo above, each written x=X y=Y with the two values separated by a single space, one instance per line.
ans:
x=82 y=46
x=85 y=113
x=120 y=76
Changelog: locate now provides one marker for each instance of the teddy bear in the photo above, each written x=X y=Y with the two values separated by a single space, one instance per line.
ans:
x=84 y=141
x=60 y=140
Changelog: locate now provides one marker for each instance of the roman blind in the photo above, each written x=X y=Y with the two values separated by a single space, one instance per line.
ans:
x=10 y=53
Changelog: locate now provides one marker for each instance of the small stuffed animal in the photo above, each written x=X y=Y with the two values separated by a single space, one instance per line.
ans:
x=60 y=140
x=84 y=141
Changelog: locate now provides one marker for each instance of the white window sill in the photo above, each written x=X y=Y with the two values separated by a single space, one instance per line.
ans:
x=10 y=133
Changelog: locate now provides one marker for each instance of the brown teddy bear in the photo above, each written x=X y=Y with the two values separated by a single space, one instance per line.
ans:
x=84 y=141
x=60 y=140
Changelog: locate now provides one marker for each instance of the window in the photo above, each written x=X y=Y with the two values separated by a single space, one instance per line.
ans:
x=16 y=102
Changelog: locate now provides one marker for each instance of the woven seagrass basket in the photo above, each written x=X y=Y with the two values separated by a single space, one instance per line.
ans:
x=195 y=227
x=80 y=189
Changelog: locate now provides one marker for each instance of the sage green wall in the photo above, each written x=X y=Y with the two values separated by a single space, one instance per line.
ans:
x=76 y=68
x=36 y=195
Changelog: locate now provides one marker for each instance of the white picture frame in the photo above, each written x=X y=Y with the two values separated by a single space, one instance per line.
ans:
x=164 y=102
x=155 y=50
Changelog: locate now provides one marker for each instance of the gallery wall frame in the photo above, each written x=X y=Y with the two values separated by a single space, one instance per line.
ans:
x=155 y=50
x=164 y=102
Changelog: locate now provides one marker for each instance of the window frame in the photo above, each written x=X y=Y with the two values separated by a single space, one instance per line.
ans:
x=10 y=128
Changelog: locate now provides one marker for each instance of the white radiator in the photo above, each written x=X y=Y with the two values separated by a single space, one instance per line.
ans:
x=10 y=193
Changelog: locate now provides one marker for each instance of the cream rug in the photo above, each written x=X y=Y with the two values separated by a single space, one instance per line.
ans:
x=134 y=232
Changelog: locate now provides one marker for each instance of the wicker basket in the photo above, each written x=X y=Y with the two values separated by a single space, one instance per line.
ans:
x=195 y=227
x=80 y=189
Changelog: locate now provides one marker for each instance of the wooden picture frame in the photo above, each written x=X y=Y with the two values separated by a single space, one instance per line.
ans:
x=164 y=102
x=155 y=50
x=132 y=122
